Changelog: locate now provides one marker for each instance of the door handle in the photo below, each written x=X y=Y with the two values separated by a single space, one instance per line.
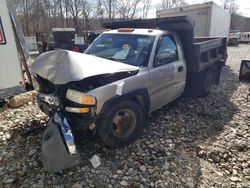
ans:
x=180 y=69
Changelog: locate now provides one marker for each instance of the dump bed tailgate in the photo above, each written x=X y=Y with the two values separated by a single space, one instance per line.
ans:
x=208 y=51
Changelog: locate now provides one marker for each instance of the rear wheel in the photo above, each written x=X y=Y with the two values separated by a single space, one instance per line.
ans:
x=123 y=124
x=206 y=83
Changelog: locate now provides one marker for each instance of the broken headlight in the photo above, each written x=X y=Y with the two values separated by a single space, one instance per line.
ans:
x=80 y=98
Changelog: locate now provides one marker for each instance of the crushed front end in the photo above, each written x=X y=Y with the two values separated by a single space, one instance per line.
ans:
x=65 y=80
x=68 y=110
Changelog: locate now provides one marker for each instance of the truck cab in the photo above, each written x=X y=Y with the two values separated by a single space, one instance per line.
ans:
x=157 y=53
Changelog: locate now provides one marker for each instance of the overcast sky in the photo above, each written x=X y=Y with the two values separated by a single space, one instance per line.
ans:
x=244 y=6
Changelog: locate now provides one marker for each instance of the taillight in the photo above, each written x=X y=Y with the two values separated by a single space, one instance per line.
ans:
x=2 y=37
x=76 y=49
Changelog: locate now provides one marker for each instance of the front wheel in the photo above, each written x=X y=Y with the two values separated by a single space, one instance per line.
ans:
x=123 y=124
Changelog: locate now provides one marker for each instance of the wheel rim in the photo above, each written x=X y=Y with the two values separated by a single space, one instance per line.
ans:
x=123 y=123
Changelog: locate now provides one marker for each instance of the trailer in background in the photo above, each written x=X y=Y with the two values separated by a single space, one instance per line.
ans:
x=245 y=37
x=14 y=73
x=210 y=19
x=234 y=37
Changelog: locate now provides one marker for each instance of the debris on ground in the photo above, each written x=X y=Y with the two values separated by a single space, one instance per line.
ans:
x=95 y=161
x=22 y=99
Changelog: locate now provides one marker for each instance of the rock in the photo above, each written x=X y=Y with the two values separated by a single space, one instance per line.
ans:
x=241 y=146
x=166 y=173
x=151 y=170
x=235 y=179
x=219 y=173
x=201 y=154
x=21 y=99
x=77 y=185
x=190 y=185
x=119 y=172
x=143 y=168
x=235 y=172
x=189 y=179
x=32 y=152
x=130 y=170
x=247 y=178
x=215 y=158
x=9 y=180
x=124 y=183
x=136 y=185
x=137 y=178
x=145 y=174
x=40 y=184
x=151 y=146
x=166 y=165
x=95 y=161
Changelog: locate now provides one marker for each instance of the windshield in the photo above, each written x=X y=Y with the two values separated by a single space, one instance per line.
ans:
x=126 y=48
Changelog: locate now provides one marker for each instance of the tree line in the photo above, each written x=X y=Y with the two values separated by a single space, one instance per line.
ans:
x=84 y=15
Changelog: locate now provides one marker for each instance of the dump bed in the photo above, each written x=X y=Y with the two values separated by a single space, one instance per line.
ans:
x=208 y=51
x=199 y=53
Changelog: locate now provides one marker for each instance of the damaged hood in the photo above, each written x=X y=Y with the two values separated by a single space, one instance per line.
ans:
x=62 y=66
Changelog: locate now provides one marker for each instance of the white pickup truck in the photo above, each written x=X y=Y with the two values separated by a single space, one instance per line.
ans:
x=126 y=73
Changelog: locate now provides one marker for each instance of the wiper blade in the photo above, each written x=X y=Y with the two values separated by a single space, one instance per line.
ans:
x=111 y=58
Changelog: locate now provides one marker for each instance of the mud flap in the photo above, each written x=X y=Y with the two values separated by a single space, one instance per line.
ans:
x=56 y=154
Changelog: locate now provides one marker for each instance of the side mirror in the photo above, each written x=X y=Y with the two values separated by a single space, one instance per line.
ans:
x=245 y=71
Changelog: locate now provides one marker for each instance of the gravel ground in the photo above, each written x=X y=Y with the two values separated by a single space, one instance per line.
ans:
x=190 y=143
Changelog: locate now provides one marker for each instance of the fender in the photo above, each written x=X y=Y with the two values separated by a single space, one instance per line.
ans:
x=109 y=104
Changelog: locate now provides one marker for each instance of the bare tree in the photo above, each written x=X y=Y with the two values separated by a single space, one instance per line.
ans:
x=61 y=8
x=86 y=11
x=127 y=8
x=145 y=7
x=230 y=5
x=109 y=6
x=75 y=9
x=99 y=10
x=24 y=7
x=172 y=3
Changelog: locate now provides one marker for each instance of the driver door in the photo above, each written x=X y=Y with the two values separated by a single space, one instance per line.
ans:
x=162 y=74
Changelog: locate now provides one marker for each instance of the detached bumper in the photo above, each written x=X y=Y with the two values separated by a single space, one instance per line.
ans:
x=58 y=146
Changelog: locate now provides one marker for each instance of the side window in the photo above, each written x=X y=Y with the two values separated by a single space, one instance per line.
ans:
x=167 y=51
x=2 y=37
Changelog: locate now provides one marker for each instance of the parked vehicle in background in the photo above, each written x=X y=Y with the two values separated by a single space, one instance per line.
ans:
x=244 y=74
x=125 y=74
x=65 y=38
x=31 y=44
x=210 y=19
x=14 y=73
x=234 y=37
x=245 y=37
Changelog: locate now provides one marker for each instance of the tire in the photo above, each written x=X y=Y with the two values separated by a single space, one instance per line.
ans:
x=206 y=83
x=123 y=124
